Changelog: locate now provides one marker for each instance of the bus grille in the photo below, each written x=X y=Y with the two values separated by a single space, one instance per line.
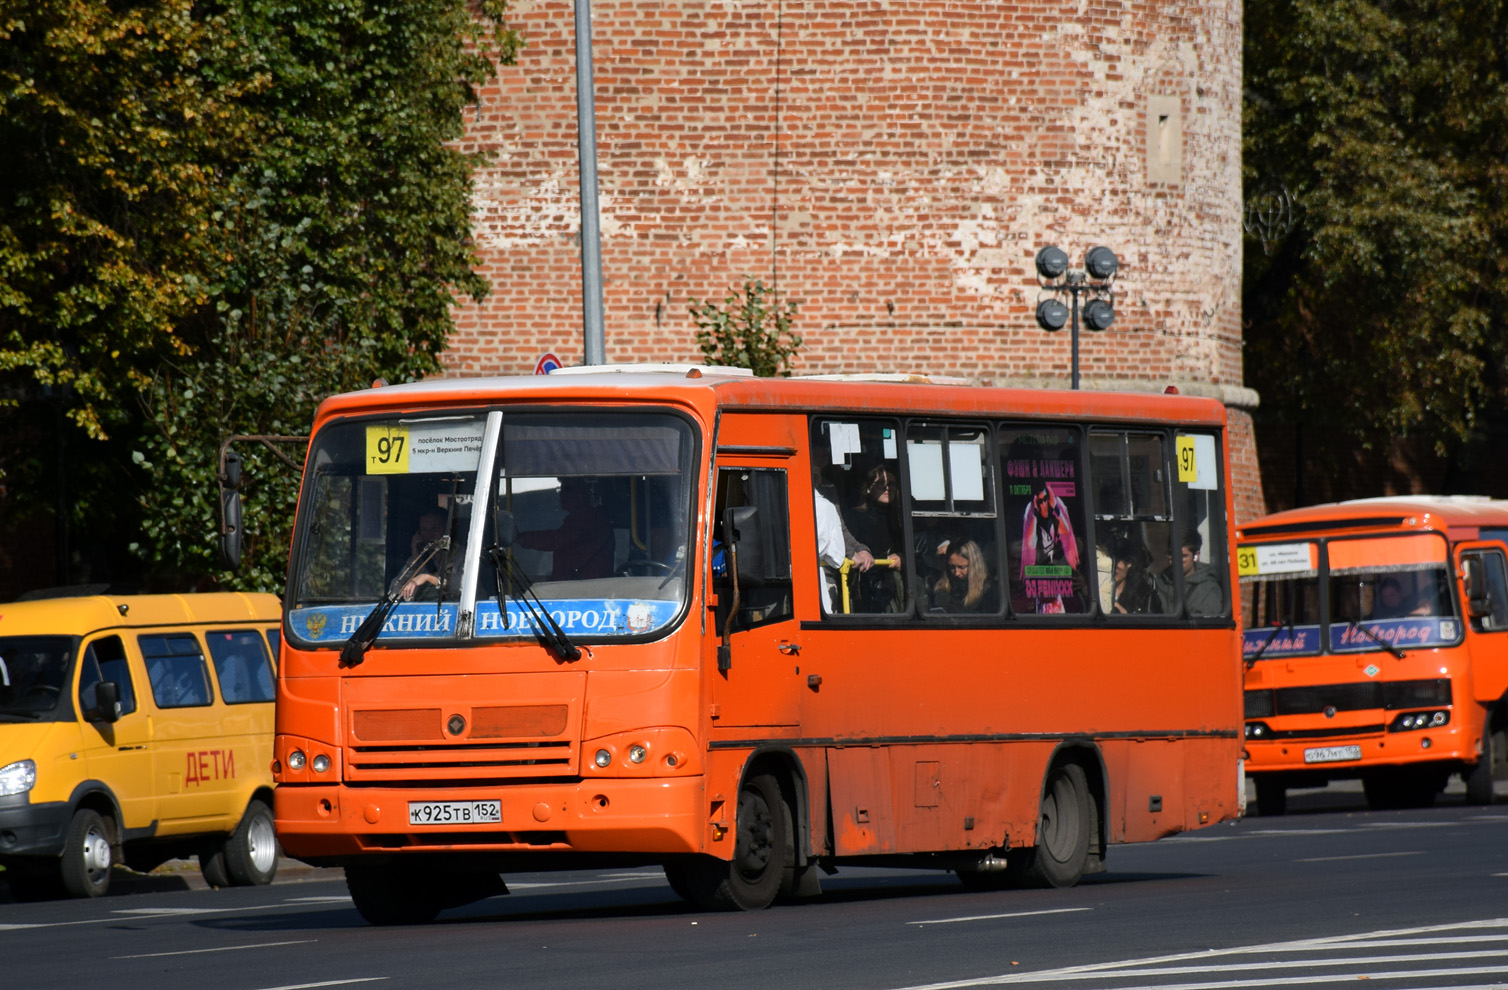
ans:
x=1391 y=695
x=425 y=744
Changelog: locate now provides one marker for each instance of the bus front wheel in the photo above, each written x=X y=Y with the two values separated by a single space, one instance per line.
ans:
x=1492 y=766
x=761 y=853
x=388 y=894
x=1063 y=826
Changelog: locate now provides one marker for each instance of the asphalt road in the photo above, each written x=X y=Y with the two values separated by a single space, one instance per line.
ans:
x=1330 y=893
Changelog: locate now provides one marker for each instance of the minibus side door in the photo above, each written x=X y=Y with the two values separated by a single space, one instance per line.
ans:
x=118 y=750
x=1482 y=569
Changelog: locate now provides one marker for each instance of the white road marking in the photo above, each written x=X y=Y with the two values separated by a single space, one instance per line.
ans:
x=995 y=917
x=622 y=878
x=1155 y=965
x=218 y=948
x=1337 y=859
x=318 y=900
x=328 y=983
x=142 y=914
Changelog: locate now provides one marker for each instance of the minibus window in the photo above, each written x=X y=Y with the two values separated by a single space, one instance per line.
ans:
x=241 y=666
x=1048 y=563
x=105 y=660
x=33 y=670
x=176 y=668
x=1489 y=597
x=1133 y=528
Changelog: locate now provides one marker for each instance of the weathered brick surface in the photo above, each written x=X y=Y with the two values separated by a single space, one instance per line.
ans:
x=891 y=166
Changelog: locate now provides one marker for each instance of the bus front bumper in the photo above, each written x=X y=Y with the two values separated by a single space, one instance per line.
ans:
x=628 y=816
x=1347 y=756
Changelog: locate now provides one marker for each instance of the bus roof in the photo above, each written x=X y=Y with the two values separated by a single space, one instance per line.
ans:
x=711 y=388
x=74 y=616
x=1424 y=512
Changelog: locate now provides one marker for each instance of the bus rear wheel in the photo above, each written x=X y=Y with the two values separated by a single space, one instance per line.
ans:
x=1063 y=827
x=761 y=855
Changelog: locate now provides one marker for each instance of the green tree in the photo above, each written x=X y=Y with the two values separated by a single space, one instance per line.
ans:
x=750 y=328
x=1379 y=312
x=321 y=243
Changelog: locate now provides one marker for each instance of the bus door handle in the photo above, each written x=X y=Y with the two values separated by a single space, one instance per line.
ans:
x=790 y=649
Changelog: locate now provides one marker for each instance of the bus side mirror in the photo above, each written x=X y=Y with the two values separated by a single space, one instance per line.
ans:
x=1478 y=598
x=106 y=703
x=741 y=529
x=230 y=510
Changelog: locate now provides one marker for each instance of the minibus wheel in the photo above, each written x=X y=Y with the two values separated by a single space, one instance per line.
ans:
x=762 y=848
x=251 y=852
x=87 y=855
x=1063 y=826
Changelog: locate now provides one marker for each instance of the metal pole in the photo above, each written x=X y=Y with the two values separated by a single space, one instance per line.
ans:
x=591 y=235
x=1073 y=290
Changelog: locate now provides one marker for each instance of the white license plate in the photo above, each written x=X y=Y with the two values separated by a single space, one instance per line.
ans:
x=454 y=812
x=1332 y=754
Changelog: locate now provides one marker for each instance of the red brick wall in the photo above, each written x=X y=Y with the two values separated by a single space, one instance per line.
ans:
x=892 y=166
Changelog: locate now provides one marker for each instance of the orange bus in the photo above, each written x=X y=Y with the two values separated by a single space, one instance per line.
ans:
x=598 y=619
x=1376 y=647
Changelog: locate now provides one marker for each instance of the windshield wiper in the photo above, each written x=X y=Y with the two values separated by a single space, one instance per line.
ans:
x=366 y=634
x=1397 y=651
x=545 y=627
x=1270 y=637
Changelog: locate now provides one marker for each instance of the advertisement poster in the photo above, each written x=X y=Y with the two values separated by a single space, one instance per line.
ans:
x=1044 y=518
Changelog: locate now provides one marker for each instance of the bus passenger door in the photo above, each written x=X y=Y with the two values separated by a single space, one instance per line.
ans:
x=1484 y=596
x=755 y=662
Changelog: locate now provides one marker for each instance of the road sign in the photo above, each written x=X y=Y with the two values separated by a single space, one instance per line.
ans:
x=547 y=363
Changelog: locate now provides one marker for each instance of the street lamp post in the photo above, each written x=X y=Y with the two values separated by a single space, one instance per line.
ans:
x=1094 y=281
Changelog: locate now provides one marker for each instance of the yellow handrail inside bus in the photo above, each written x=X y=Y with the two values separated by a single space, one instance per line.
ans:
x=843 y=577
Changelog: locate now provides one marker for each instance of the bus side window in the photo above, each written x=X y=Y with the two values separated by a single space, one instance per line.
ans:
x=765 y=598
x=1487 y=590
x=1132 y=523
x=1199 y=509
x=105 y=660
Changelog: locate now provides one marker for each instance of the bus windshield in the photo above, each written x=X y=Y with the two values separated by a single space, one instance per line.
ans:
x=455 y=517
x=1397 y=589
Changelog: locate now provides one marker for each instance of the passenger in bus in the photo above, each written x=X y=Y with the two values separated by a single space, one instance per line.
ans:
x=834 y=545
x=1125 y=587
x=876 y=523
x=965 y=584
x=1201 y=585
x=583 y=547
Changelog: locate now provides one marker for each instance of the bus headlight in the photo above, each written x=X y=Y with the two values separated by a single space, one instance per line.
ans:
x=1258 y=730
x=636 y=753
x=296 y=760
x=320 y=763
x=603 y=758
x=1412 y=721
x=18 y=777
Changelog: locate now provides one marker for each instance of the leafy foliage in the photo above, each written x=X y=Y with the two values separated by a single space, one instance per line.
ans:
x=750 y=328
x=1376 y=315
x=269 y=212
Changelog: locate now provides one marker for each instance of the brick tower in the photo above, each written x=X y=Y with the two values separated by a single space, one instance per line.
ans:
x=893 y=167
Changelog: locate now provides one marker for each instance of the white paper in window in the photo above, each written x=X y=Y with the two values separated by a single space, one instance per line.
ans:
x=926 y=471
x=964 y=461
x=844 y=438
x=1205 y=463
x=889 y=442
